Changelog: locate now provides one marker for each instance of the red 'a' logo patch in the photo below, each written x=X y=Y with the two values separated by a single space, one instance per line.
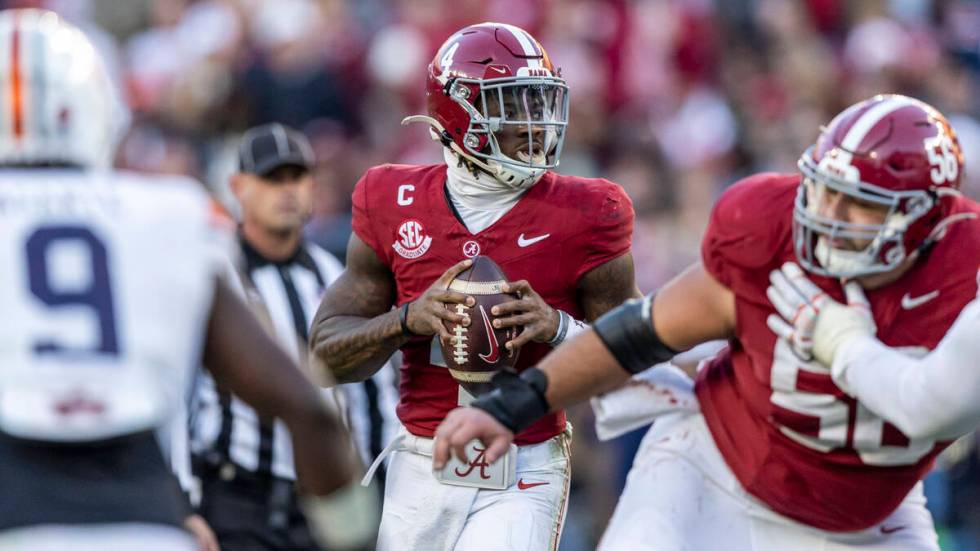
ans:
x=479 y=462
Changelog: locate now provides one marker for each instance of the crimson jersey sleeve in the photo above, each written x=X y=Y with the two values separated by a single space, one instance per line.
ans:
x=608 y=231
x=749 y=226
x=361 y=213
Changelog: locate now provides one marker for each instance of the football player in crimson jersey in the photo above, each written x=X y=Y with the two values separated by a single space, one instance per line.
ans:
x=779 y=457
x=499 y=107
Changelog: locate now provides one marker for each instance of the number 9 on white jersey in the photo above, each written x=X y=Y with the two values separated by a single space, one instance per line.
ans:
x=105 y=283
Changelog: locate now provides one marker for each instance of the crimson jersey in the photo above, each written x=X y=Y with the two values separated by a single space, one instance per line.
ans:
x=563 y=227
x=792 y=438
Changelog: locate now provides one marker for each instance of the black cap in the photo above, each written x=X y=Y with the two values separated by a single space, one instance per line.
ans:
x=270 y=146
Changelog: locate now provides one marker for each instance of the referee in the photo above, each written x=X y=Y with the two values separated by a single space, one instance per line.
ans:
x=244 y=462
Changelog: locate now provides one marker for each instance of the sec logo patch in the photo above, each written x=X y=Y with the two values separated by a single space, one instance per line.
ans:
x=411 y=240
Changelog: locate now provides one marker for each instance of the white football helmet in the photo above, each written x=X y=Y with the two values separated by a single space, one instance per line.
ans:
x=57 y=103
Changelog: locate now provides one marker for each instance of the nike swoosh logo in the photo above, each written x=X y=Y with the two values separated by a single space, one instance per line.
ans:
x=521 y=485
x=892 y=529
x=909 y=303
x=499 y=70
x=490 y=357
x=522 y=242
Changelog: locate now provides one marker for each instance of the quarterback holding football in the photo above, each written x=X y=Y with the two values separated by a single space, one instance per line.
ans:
x=499 y=107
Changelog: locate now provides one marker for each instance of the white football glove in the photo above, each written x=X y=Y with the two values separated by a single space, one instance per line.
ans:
x=814 y=324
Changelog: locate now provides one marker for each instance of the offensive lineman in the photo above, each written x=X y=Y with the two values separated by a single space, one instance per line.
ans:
x=109 y=286
x=500 y=109
x=778 y=457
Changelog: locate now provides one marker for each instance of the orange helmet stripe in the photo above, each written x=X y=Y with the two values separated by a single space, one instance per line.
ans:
x=16 y=86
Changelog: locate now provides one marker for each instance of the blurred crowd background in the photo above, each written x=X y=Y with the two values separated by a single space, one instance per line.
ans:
x=672 y=99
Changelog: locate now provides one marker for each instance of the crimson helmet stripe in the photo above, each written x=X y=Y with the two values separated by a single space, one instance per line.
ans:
x=528 y=43
x=16 y=84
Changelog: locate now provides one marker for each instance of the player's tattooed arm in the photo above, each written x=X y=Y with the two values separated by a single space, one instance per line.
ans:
x=607 y=286
x=355 y=331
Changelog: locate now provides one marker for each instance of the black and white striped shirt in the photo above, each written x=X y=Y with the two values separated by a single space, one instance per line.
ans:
x=290 y=293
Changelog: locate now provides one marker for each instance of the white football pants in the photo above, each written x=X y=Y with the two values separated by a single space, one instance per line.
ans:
x=422 y=513
x=681 y=495
x=98 y=537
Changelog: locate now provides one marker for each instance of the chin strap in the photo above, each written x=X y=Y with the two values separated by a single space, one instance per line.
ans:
x=439 y=134
x=437 y=131
x=939 y=230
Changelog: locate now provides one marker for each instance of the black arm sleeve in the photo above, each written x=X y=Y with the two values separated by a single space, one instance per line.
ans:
x=628 y=333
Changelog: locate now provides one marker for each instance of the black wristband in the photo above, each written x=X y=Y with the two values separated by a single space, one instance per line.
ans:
x=403 y=320
x=628 y=333
x=518 y=401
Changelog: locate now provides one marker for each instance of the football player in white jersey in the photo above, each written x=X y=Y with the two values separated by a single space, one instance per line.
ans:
x=935 y=396
x=110 y=296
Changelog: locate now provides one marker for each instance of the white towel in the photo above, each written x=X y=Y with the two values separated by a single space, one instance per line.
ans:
x=655 y=392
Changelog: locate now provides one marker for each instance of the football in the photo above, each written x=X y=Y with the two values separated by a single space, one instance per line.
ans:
x=475 y=353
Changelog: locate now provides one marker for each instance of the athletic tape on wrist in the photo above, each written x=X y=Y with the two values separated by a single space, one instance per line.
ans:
x=563 y=318
x=568 y=327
